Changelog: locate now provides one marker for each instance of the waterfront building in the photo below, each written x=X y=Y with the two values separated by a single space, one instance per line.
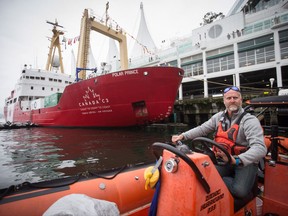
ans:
x=248 y=48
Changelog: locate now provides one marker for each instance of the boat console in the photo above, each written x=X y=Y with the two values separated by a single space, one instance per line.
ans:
x=191 y=184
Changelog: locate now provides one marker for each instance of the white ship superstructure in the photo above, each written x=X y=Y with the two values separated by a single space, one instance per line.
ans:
x=33 y=86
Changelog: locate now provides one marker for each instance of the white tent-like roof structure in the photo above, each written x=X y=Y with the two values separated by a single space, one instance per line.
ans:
x=144 y=42
x=113 y=55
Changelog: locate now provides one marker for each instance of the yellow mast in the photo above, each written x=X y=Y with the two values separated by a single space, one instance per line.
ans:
x=55 y=44
x=88 y=24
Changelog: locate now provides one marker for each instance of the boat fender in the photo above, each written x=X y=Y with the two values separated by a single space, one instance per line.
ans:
x=152 y=174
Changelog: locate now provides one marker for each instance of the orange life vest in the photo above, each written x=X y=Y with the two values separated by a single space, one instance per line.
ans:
x=227 y=138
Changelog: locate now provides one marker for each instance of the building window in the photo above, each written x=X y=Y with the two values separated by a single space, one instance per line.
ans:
x=230 y=62
x=220 y=59
x=197 y=68
x=173 y=63
x=256 y=51
x=188 y=70
x=269 y=53
x=260 y=56
x=193 y=69
x=250 y=58
x=283 y=39
x=284 y=50
x=220 y=64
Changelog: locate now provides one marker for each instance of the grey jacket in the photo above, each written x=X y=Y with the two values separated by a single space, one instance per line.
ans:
x=250 y=134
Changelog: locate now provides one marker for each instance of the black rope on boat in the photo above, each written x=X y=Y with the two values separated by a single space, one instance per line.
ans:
x=7 y=191
x=110 y=177
x=42 y=185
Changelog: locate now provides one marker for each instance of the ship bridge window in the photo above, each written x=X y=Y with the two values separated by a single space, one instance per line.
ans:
x=55 y=80
x=14 y=101
x=42 y=78
x=43 y=88
x=50 y=79
x=60 y=81
x=32 y=87
x=32 y=77
x=37 y=78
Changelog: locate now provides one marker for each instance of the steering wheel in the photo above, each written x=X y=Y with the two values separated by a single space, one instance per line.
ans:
x=185 y=158
x=205 y=144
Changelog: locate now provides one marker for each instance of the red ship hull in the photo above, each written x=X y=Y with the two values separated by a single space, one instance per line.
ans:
x=120 y=99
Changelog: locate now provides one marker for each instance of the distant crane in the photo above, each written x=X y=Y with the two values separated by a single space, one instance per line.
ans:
x=55 y=44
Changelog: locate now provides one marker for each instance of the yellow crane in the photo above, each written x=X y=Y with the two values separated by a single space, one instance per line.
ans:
x=88 y=24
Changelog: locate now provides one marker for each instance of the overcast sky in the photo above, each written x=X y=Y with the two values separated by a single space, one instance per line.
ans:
x=24 y=32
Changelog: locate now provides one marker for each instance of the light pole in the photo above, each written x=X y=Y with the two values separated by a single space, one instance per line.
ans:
x=271 y=83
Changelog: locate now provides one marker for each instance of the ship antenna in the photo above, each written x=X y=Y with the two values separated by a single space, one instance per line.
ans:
x=55 y=24
x=106 y=13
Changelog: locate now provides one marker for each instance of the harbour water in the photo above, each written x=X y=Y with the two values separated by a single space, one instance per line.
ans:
x=40 y=154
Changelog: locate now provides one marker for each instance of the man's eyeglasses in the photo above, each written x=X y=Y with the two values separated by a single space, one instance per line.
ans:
x=231 y=87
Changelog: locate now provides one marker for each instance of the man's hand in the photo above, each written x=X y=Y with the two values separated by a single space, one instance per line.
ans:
x=222 y=155
x=176 y=138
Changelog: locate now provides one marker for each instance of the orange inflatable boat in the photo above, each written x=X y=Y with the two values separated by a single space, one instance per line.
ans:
x=126 y=190
x=189 y=184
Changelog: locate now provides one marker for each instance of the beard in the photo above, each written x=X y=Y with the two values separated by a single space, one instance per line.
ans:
x=233 y=108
